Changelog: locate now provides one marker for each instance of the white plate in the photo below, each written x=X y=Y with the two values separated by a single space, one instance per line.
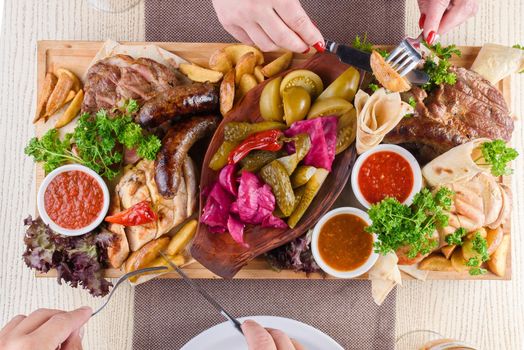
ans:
x=225 y=337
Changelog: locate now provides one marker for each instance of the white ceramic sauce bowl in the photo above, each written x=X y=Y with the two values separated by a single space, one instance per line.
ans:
x=41 y=205
x=415 y=167
x=316 y=253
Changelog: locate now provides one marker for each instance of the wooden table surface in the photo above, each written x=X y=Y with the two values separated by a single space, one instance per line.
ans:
x=487 y=313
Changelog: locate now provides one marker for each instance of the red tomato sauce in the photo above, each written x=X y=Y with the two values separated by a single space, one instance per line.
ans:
x=73 y=199
x=385 y=174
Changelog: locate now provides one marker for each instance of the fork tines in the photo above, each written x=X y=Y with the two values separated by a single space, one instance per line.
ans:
x=404 y=58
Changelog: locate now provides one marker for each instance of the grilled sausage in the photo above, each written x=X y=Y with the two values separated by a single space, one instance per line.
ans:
x=179 y=101
x=175 y=145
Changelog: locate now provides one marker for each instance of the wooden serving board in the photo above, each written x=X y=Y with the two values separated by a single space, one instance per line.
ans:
x=77 y=55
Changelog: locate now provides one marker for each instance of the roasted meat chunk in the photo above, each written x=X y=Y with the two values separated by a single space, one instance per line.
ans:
x=451 y=115
x=121 y=77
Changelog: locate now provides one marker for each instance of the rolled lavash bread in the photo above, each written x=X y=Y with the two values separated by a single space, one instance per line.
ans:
x=377 y=115
x=457 y=164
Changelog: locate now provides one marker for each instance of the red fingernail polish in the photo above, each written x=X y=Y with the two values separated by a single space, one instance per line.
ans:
x=306 y=51
x=320 y=46
x=431 y=37
x=421 y=21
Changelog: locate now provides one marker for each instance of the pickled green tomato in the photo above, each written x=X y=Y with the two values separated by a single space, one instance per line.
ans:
x=297 y=102
x=345 y=86
x=305 y=79
x=271 y=102
x=335 y=106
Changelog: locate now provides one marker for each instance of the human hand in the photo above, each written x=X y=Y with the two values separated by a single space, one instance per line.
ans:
x=438 y=17
x=260 y=338
x=269 y=24
x=45 y=329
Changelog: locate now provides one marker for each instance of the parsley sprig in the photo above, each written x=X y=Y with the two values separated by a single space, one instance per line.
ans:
x=480 y=245
x=398 y=225
x=497 y=155
x=439 y=71
x=362 y=44
x=96 y=142
x=455 y=238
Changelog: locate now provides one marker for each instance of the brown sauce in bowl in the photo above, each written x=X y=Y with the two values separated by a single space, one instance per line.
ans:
x=343 y=243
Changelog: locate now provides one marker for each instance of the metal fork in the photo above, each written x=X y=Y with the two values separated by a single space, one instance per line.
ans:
x=125 y=277
x=406 y=56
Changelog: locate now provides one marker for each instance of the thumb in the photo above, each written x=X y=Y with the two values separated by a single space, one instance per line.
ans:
x=74 y=342
x=434 y=11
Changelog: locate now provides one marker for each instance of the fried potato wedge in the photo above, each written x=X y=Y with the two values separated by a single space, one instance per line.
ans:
x=220 y=61
x=199 y=74
x=146 y=254
x=494 y=238
x=182 y=238
x=47 y=89
x=497 y=262
x=235 y=51
x=76 y=82
x=60 y=94
x=247 y=82
x=448 y=250
x=458 y=262
x=160 y=261
x=246 y=65
x=278 y=65
x=227 y=92
x=72 y=110
x=257 y=72
x=386 y=75
x=436 y=262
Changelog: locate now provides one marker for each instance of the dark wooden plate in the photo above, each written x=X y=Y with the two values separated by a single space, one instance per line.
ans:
x=218 y=252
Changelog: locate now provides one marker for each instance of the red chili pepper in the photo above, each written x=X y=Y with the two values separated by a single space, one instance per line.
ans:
x=265 y=140
x=139 y=214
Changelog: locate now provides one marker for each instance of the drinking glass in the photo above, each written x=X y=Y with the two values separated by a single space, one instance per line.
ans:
x=113 y=6
x=429 y=340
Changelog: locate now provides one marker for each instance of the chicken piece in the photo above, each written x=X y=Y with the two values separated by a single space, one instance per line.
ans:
x=118 y=250
x=133 y=189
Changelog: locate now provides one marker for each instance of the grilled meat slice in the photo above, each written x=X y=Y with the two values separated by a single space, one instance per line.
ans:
x=179 y=101
x=179 y=139
x=121 y=77
x=452 y=115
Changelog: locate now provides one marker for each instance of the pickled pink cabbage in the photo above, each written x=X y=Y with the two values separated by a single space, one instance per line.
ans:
x=323 y=134
x=254 y=204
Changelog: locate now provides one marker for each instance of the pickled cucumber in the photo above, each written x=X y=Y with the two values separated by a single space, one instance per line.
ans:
x=238 y=131
x=302 y=146
x=219 y=159
x=301 y=175
x=311 y=189
x=255 y=160
x=275 y=175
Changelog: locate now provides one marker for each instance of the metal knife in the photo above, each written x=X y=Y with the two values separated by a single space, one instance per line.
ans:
x=360 y=59
x=203 y=293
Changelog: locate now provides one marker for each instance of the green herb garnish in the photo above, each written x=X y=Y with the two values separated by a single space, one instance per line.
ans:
x=439 y=72
x=455 y=238
x=97 y=142
x=412 y=102
x=497 y=155
x=517 y=46
x=398 y=225
x=480 y=245
x=363 y=44
x=373 y=87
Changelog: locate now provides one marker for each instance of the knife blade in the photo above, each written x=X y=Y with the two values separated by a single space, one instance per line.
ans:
x=360 y=59
x=204 y=294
